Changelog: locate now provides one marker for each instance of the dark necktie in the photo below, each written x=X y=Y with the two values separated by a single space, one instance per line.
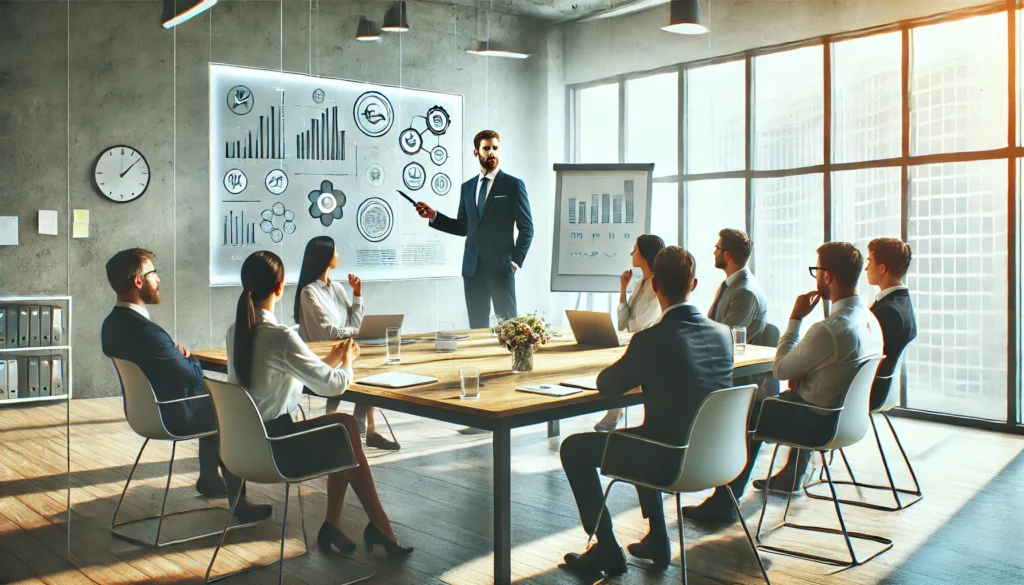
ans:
x=714 y=307
x=482 y=197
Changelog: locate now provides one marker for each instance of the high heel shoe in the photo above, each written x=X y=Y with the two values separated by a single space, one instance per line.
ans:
x=329 y=535
x=372 y=536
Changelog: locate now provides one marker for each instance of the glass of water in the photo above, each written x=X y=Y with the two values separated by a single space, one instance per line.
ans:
x=495 y=321
x=393 y=341
x=739 y=339
x=470 y=379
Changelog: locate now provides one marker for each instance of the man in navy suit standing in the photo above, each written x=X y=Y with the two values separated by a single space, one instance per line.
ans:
x=173 y=372
x=489 y=206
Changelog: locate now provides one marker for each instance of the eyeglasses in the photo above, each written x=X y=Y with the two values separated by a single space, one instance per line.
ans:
x=720 y=249
x=145 y=274
x=814 y=270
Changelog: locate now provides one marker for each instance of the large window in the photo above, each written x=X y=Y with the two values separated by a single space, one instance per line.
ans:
x=923 y=152
x=652 y=127
x=598 y=128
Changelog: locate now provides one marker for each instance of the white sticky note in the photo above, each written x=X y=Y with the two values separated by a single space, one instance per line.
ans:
x=48 y=222
x=79 y=230
x=9 y=230
x=81 y=216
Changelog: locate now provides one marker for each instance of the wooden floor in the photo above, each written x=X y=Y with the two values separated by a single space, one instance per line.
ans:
x=437 y=492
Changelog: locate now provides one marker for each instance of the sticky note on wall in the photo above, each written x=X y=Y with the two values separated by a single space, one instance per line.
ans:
x=80 y=226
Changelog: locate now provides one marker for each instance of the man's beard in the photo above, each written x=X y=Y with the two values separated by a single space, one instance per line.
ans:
x=823 y=291
x=719 y=262
x=150 y=294
x=490 y=163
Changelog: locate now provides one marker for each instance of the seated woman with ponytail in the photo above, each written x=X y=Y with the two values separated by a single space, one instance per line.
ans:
x=272 y=363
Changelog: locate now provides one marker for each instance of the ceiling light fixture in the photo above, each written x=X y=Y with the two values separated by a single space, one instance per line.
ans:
x=490 y=49
x=200 y=7
x=366 y=32
x=396 y=18
x=684 y=18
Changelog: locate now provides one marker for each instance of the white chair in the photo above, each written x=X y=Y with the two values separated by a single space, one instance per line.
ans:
x=714 y=454
x=247 y=451
x=142 y=410
x=850 y=424
x=892 y=400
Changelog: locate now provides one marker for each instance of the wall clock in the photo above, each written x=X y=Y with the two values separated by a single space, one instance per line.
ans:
x=121 y=174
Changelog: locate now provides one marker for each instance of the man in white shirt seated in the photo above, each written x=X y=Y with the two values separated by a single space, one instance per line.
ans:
x=820 y=366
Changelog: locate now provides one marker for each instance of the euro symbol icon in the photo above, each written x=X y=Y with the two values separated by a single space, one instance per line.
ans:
x=372 y=115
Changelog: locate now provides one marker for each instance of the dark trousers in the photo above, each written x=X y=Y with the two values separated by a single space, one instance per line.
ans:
x=486 y=287
x=201 y=419
x=581 y=459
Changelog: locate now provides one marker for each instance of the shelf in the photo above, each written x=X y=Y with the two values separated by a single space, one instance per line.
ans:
x=30 y=349
x=5 y=300
x=33 y=399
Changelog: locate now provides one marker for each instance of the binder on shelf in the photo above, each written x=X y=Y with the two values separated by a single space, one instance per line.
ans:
x=3 y=379
x=3 y=332
x=22 y=377
x=44 y=376
x=57 y=329
x=33 y=377
x=34 y=340
x=23 y=331
x=12 y=326
x=57 y=377
x=45 y=325
x=12 y=379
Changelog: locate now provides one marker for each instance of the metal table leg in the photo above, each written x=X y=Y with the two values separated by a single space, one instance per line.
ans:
x=502 y=444
x=554 y=428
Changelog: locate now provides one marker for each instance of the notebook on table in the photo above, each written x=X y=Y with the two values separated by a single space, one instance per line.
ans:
x=584 y=382
x=549 y=390
x=396 y=380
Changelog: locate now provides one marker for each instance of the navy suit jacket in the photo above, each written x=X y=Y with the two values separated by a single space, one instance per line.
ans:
x=128 y=335
x=488 y=235
x=677 y=362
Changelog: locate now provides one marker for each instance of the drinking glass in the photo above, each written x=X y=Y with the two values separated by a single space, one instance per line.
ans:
x=739 y=340
x=495 y=321
x=470 y=379
x=393 y=341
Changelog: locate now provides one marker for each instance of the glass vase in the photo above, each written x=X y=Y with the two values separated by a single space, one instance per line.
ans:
x=522 y=359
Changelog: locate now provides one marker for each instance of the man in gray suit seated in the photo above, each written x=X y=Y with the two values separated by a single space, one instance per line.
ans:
x=739 y=302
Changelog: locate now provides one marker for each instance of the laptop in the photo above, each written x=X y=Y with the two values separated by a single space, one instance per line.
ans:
x=594 y=328
x=374 y=327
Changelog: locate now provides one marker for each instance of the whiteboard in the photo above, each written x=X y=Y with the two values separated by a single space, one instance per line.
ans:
x=599 y=212
x=294 y=156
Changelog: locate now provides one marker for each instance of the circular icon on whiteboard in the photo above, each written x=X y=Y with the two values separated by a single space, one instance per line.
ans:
x=240 y=100
x=438 y=120
x=410 y=141
x=414 y=176
x=441 y=184
x=438 y=155
x=374 y=219
x=375 y=175
x=373 y=114
x=318 y=95
x=276 y=181
x=235 y=181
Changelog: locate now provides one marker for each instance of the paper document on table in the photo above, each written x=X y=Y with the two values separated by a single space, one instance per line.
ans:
x=396 y=380
x=584 y=382
x=550 y=390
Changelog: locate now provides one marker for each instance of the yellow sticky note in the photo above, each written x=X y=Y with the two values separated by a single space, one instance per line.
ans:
x=82 y=216
x=80 y=230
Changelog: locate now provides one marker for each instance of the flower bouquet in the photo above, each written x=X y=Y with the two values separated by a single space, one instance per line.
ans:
x=521 y=336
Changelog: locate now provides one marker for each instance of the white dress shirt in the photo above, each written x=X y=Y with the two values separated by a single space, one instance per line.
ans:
x=889 y=291
x=825 y=360
x=490 y=183
x=281 y=364
x=641 y=310
x=325 y=313
x=140 y=309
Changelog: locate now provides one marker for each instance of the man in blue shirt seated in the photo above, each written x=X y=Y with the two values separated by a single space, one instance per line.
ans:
x=129 y=334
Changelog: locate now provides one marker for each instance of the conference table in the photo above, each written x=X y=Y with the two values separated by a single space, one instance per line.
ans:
x=499 y=407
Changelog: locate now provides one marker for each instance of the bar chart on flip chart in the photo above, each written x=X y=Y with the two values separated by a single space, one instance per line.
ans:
x=265 y=142
x=323 y=140
x=237 y=232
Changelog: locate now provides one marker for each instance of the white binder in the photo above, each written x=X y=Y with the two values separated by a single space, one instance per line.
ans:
x=57 y=376
x=3 y=379
x=33 y=377
x=12 y=379
x=44 y=376
x=57 y=328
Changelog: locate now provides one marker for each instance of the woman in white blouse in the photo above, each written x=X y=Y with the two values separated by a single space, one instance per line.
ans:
x=272 y=363
x=324 y=313
x=641 y=310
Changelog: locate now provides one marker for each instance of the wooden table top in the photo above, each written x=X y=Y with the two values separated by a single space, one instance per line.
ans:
x=561 y=359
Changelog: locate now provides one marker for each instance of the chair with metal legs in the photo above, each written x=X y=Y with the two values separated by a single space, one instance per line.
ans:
x=714 y=454
x=892 y=400
x=247 y=451
x=142 y=410
x=850 y=425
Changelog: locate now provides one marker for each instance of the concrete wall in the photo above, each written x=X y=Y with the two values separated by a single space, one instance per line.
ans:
x=131 y=82
x=633 y=43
